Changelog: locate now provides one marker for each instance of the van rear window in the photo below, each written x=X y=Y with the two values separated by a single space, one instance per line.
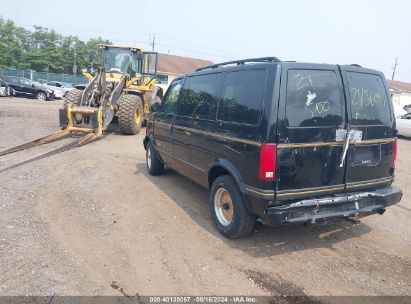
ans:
x=313 y=99
x=368 y=98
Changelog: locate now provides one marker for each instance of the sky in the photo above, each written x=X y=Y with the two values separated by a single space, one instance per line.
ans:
x=366 y=32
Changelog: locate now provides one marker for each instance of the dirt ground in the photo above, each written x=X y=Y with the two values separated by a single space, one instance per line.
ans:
x=91 y=221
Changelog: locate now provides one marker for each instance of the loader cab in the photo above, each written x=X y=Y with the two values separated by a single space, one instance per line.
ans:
x=130 y=60
x=122 y=60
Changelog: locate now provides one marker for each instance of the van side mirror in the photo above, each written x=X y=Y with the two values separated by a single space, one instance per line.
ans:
x=32 y=85
x=155 y=107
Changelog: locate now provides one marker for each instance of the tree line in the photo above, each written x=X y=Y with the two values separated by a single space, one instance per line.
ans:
x=44 y=50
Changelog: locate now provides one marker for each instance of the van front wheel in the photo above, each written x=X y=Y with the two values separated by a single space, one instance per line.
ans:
x=228 y=210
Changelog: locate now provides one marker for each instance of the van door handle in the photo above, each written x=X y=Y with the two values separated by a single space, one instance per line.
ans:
x=346 y=145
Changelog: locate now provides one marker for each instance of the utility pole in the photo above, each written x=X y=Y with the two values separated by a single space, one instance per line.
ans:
x=153 y=42
x=74 y=63
x=394 y=68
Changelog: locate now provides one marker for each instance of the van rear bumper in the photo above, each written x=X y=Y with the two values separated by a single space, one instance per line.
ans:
x=348 y=206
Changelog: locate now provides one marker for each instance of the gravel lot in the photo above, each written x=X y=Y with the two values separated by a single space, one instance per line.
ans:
x=91 y=221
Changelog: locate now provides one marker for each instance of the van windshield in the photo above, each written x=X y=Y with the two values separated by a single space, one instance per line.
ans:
x=369 y=100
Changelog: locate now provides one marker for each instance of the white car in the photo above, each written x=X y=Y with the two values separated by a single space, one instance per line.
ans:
x=404 y=125
x=403 y=120
x=5 y=90
x=58 y=93
x=63 y=86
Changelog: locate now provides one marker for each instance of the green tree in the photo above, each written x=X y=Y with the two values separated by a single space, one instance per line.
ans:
x=45 y=50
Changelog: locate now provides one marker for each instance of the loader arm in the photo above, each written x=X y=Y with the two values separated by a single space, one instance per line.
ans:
x=118 y=90
x=109 y=105
x=91 y=89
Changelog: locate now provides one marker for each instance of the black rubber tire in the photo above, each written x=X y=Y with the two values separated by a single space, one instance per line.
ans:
x=156 y=167
x=72 y=97
x=41 y=96
x=243 y=221
x=126 y=111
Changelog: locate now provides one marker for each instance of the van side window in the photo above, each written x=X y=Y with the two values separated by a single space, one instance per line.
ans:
x=242 y=96
x=368 y=98
x=313 y=99
x=199 y=95
x=169 y=104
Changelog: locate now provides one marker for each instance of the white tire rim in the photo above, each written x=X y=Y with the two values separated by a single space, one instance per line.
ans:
x=223 y=207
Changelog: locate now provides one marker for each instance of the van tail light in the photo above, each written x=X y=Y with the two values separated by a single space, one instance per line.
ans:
x=394 y=155
x=268 y=162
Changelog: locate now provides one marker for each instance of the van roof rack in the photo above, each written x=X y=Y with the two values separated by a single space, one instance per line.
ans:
x=240 y=62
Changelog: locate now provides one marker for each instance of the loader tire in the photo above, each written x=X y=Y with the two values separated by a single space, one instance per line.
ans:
x=72 y=98
x=130 y=114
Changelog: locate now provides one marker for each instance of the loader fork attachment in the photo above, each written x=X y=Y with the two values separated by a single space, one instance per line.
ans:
x=90 y=136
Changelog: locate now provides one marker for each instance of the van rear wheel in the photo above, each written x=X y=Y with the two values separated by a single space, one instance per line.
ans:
x=228 y=210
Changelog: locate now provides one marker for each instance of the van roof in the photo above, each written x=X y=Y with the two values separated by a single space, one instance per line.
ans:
x=266 y=61
x=255 y=60
x=241 y=62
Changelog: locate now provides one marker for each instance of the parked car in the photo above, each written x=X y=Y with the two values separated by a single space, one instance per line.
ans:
x=407 y=108
x=404 y=125
x=403 y=120
x=26 y=87
x=5 y=90
x=284 y=142
x=64 y=86
x=58 y=93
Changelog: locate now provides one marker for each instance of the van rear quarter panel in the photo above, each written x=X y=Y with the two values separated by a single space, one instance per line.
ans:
x=231 y=145
x=240 y=143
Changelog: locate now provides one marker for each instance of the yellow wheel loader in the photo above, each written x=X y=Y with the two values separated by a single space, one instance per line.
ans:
x=124 y=89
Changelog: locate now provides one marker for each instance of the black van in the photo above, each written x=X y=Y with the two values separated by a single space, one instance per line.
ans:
x=284 y=142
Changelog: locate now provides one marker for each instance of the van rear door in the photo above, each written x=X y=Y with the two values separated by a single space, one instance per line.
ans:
x=371 y=128
x=311 y=124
